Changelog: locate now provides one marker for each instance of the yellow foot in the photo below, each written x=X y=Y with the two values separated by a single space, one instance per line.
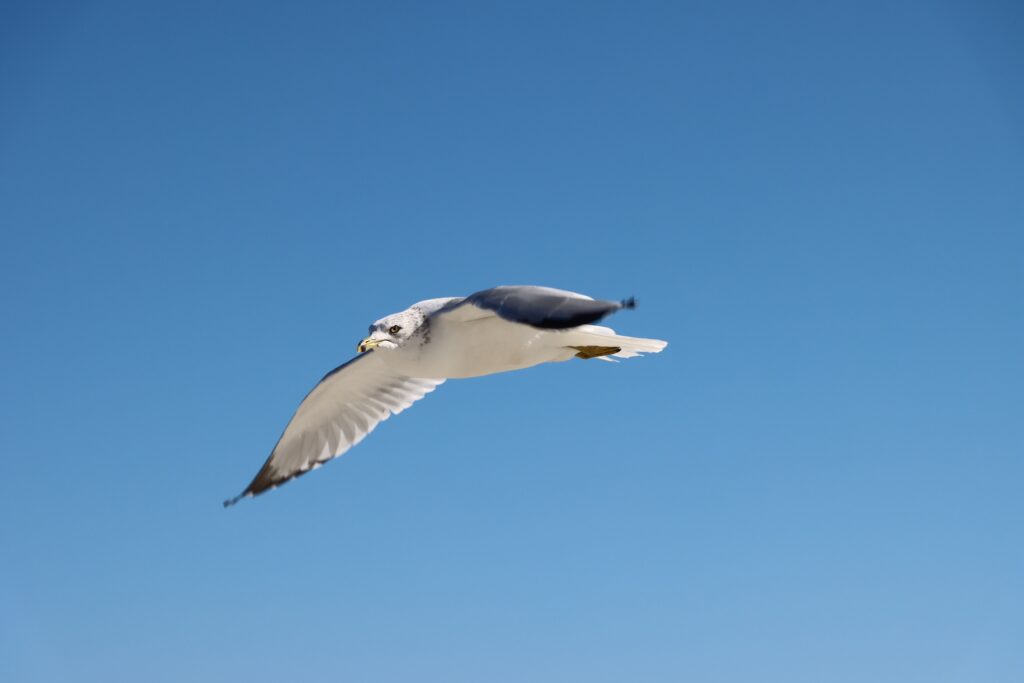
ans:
x=586 y=352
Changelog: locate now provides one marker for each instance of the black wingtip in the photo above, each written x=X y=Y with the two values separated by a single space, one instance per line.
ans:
x=231 y=501
x=629 y=303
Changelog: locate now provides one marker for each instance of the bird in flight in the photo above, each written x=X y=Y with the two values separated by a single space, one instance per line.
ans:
x=407 y=355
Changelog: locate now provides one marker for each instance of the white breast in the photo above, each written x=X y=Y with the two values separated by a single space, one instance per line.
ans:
x=479 y=347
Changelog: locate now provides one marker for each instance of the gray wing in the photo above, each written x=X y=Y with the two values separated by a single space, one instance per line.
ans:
x=337 y=414
x=542 y=307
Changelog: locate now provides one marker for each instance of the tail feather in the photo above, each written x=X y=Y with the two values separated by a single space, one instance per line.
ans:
x=629 y=347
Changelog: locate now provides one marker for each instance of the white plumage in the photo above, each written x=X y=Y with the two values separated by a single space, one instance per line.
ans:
x=408 y=354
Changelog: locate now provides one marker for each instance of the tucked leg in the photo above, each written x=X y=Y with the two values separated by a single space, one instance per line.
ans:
x=587 y=352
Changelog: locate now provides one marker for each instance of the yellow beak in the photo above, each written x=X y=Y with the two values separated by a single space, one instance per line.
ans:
x=368 y=344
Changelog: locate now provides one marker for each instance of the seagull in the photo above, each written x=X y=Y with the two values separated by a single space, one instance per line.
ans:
x=407 y=355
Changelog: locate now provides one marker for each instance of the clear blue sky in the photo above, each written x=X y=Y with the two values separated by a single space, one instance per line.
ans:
x=820 y=206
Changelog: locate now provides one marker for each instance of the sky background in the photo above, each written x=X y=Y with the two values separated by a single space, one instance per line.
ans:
x=820 y=205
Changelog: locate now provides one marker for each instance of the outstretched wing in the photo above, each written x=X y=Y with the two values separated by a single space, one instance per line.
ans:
x=336 y=415
x=542 y=307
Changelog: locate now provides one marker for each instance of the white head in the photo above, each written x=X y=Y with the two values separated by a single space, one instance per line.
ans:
x=392 y=331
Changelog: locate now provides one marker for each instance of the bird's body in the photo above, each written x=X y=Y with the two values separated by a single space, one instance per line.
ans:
x=456 y=349
x=408 y=354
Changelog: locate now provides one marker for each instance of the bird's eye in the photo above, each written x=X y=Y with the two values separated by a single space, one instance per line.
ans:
x=394 y=329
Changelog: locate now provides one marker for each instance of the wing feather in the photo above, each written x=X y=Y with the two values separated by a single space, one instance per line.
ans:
x=340 y=411
x=545 y=308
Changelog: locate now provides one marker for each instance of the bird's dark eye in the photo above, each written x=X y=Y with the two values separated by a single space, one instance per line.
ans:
x=394 y=329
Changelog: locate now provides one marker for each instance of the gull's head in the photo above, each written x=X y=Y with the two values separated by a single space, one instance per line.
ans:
x=391 y=332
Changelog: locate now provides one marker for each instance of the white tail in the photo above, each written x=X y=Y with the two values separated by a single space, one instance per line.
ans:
x=586 y=335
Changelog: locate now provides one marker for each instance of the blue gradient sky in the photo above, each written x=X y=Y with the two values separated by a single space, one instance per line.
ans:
x=820 y=205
